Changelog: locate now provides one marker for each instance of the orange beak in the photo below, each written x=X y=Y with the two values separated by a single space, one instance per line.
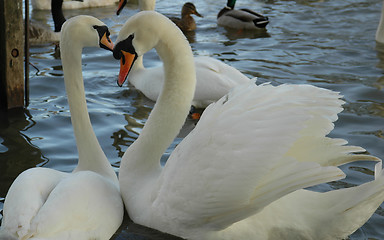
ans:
x=106 y=42
x=126 y=62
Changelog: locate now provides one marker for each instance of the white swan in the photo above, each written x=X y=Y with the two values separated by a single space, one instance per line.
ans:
x=144 y=5
x=86 y=204
x=380 y=29
x=73 y=4
x=39 y=34
x=214 y=78
x=239 y=174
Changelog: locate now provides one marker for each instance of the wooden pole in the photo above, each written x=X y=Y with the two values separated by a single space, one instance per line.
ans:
x=26 y=52
x=11 y=54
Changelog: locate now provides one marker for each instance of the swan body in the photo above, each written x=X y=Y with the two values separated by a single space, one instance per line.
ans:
x=39 y=34
x=240 y=173
x=144 y=5
x=380 y=29
x=186 y=22
x=214 y=80
x=240 y=19
x=47 y=204
x=73 y=4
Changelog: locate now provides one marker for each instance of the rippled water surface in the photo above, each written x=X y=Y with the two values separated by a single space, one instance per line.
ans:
x=329 y=44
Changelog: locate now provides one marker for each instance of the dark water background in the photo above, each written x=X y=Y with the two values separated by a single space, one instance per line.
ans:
x=326 y=43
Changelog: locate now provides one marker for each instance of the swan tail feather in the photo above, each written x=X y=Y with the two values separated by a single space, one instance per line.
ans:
x=354 y=206
x=272 y=188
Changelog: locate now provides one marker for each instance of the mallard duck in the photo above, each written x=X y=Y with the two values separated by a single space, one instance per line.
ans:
x=186 y=22
x=240 y=19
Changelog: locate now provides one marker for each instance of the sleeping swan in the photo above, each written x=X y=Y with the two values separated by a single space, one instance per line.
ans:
x=43 y=203
x=240 y=173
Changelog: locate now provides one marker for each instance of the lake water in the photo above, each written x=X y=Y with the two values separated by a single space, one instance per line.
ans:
x=325 y=43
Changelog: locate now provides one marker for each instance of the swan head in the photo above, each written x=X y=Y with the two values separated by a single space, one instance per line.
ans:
x=137 y=36
x=87 y=31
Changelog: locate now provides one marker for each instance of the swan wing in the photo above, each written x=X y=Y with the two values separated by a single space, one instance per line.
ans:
x=76 y=209
x=231 y=169
x=26 y=196
x=214 y=80
x=50 y=204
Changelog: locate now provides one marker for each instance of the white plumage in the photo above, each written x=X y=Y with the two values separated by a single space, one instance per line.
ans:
x=240 y=173
x=73 y=4
x=86 y=204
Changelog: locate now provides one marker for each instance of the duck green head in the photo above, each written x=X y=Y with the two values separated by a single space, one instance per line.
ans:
x=231 y=4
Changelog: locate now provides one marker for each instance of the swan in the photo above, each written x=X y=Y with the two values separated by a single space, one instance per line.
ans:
x=240 y=19
x=380 y=29
x=240 y=173
x=186 y=22
x=214 y=78
x=144 y=5
x=43 y=203
x=39 y=34
x=73 y=4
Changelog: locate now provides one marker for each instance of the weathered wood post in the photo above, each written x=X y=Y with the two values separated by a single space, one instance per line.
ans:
x=11 y=54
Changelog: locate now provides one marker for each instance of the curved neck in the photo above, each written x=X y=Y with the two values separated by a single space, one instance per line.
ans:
x=91 y=156
x=380 y=28
x=147 y=5
x=142 y=158
x=57 y=14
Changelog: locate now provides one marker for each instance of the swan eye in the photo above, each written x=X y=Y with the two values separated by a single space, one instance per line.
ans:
x=126 y=46
x=101 y=30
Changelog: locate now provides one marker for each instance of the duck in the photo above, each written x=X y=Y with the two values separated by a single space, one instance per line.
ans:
x=214 y=78
x=44 y=203
x=186 y=23
x=73 y=4
x=240 y=19
x=39 y=34
x=379 y=37
x=242 y=172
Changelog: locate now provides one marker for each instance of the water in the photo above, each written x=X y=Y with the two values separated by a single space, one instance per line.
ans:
x=329 y=44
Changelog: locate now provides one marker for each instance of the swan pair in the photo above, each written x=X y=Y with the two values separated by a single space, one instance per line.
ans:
x=47 y=204
x=241 y=173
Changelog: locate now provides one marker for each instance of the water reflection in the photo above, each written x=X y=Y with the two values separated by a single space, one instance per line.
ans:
x=233 y=34
x=18 y=153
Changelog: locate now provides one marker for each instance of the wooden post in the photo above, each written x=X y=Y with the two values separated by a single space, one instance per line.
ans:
x=11 y=54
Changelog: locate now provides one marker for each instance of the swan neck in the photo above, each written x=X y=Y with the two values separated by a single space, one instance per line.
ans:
x=170 y=110
x=91 y=156
x=138 y=65
x=380 y=28
x=147 y=5
x=57 y=14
